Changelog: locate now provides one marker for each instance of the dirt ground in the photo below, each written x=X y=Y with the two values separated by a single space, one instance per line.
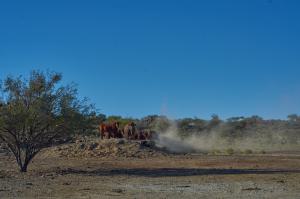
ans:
x=275 y=175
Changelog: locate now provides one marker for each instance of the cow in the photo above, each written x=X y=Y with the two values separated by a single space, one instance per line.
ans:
x=129 y=131
x=146 y=134
x=111 y=130
x=118 y=133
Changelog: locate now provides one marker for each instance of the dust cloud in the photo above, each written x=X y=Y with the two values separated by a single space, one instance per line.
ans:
x=214 y=141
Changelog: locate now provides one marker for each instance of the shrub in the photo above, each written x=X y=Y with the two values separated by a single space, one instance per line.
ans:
x=229 y=151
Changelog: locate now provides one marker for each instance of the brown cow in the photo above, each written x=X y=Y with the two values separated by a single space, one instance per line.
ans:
x=129 y=131
x=108 y=131
x=140 y=136
x=118 y=134
x=146 y=134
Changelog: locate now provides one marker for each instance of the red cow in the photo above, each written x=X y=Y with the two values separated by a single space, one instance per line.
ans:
x=108 y=131
x=146 y=134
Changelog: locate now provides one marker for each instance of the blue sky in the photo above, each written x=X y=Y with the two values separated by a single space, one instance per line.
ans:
x=180 y=58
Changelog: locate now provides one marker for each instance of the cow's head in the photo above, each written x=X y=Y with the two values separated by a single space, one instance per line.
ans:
x=116 y=124
x=132 y=124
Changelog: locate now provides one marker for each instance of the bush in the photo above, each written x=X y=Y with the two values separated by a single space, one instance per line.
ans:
x=37 y=113
x=263 y=152
x=248 y=151
x=229 y=151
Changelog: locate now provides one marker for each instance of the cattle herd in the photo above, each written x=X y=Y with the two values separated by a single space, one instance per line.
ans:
x=130 y=131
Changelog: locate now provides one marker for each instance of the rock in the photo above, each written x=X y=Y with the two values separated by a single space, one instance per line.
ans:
x=148 y=143
x=121 y=141
x=78 y=141
x=117 y=190
x=93 y=146
x=106 y=148
x=81 y=146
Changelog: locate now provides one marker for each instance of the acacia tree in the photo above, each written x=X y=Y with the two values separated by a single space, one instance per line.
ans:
x=35 y=113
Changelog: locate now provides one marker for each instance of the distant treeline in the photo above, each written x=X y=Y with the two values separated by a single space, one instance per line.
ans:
x=234 y=127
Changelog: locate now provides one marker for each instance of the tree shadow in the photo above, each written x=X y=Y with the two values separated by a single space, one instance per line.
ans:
x=169 y=172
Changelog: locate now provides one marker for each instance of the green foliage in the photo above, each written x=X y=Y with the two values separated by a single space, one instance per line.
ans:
x=161 y=124
x=38 y=112
x=248 y=151
x=229 y=151
x=189 y=126
x=263 y=152
x=293 y=118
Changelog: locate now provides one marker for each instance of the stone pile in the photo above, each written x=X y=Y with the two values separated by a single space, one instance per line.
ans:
x=111 y=148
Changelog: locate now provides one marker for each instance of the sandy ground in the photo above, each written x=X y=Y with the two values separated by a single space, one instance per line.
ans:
x=171 y=176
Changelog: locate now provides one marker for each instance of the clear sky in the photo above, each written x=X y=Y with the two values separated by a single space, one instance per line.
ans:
x=180 y=58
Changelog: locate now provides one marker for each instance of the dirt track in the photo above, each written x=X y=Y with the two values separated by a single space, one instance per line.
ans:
x=167 y=176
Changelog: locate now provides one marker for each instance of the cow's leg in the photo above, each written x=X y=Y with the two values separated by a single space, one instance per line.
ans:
x=126 y=136
x=119 y=134
x=129 y=136
x=106 y=135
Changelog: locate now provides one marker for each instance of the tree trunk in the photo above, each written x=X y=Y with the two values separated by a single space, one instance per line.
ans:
x=24 y=168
